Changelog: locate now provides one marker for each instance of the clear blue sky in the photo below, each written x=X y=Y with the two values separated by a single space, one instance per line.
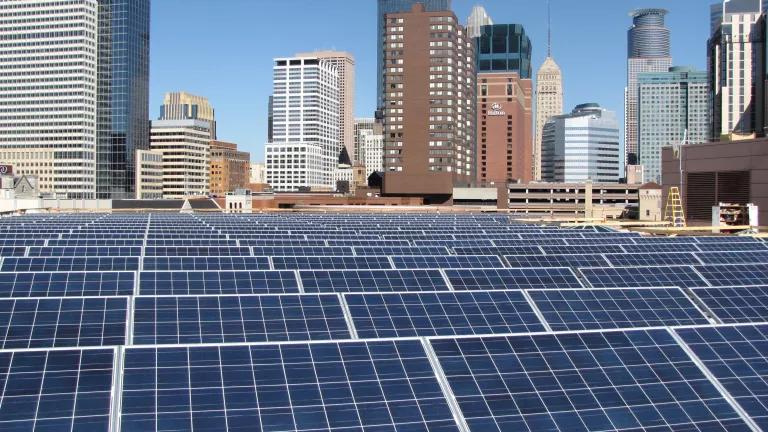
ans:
x=223 y=49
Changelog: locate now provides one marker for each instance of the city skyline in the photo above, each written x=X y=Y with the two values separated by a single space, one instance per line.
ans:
x=233 y=82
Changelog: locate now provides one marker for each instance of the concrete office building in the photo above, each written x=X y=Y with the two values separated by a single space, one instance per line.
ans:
x=549 y=97
x=372 y=150
x=429 y=120
x=672 y=105
x=362 y=125
x=258 y=173
x=149 y=174
x=305 y=143
x=60 y=120
x=395 y=6
x=648 y=50
x=230 y=168
x=185 y=146
x=581 y=146
x=186 y=106
x=736 y=69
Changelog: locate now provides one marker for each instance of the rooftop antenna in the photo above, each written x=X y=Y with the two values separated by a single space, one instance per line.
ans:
x=549 y=29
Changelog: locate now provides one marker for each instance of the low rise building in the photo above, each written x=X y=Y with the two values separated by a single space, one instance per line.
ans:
x=598 y=200
x=185 y=146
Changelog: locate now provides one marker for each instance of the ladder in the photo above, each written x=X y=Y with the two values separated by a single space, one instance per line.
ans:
x=673 y=211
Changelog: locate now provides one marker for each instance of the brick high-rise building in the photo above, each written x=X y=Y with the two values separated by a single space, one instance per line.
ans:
x=230 y=168
x=429 y=104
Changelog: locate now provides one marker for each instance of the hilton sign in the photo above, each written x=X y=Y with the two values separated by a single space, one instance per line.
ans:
x=496 y=110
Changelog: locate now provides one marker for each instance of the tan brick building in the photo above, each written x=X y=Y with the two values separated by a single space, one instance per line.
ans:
x=230 y=168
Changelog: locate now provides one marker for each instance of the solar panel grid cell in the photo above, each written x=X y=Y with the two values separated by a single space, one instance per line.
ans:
x=446 y=261
x=520 y=278
x=341 y=281
x=330 y=262
x=50 y=264
x=586 y=260
x=211 y=263
x=217 y=282
x=66 y=284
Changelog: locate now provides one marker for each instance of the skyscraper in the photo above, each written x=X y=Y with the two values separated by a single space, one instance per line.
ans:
x=736 y=69
x=396 y=6
x=549 y=99
x=648 y=50
x=123 y=94
x=186 y=149
x=429 y=123
x=186 y=106
x=477 y=19
x=670 y=105
x=504 y=48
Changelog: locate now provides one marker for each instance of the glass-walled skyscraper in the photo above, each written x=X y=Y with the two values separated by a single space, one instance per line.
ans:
x=123 y=94
x=504 y=48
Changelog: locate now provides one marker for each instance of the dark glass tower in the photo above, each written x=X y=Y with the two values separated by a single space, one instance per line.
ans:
x=396 y=6
x=123 y=95
x=504 y=48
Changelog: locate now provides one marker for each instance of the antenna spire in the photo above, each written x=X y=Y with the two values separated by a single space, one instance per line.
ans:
x=549 y=29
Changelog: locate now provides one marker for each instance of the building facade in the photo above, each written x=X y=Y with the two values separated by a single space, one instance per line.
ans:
x=186 y=106
x=149 y=174
x=504 y=48
x=230 y=168
x=361 y=125
x=672 y=106
x=372 y=150
x=185 y=146
x=429 y=117
x=581 y=146
x=258 y=173
x=648 y=50
x=305 y=143
x=549 y=103
x=478 y=18
x=736 y=69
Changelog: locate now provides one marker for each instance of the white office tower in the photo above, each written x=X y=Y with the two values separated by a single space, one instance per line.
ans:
x=477 y=19
x=305 y=143
x=48 y=93
x=185 y=146
x=372 y=150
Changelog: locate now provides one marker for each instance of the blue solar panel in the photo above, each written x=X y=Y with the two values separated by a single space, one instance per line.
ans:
x=375 y=386
x=734 y=274
x=340 y=281
x=98 y=251
x=330 y=262
x=528 y=242
x=56 y=390
x=585 y=260
x=191 y=242
x=281 y=242
x=581 y=249
x=31 y=264
x=737 y=356
x=652 y=259
x=217 y=282
x=301 y=251
x=498 y=250
x=62 y=322
x=455 y=243
x=94 y=242
x=638 y=277
x=402 y=250
x=8 y=251
x=741 y=257
x=732 y=247
x=587 y=309
x=732 y=305
x=369 y=243
x=243 y=318
x=66 y=284
x=446 y=261
x=520 y=278
x=639 y=380
x=164 y=251
x=659 y=247
x=441 y=313
x=206 y=263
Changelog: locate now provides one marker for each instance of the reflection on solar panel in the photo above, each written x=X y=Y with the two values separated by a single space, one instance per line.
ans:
x=731 y=247
x=581 y=249
x=85 y=251
x=652 y=259
x=24 y=264
x=586 y=260
x=737 y=356
x=735 y=274
x=660 y=247
x=206 y=263
x=632 y=277
x=588 y=309
x=632 y=380
x=345 y=386
x=66 y=284
x=57 y=390
x=521 y=278
x=330 y=262
x=498 y=250
x=301 y=251
x=217 y=282
x=441 y=313
x=742 y=257
x=446 y=261
x=62 y=322
x=164 y=251
x=244 y=318
x=406 y=250
x=340 y=281
x=733 y=305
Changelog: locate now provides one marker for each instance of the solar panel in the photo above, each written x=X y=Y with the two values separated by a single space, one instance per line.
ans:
x=98 y=251
x=66 y=284
x=441 y=313
x=217 y=282
x=731 y=247
x=528 y=242
x=56 y=390
x=635 y=277
x=588 y=309
x=94 y=242
x=243 y=318
x=165 y=251
x=281 y=242
x=330 y=386
x=8 y=251
x=737 y=356
x=519 y=278
x=30 y=264
x=733 y=305
x=581 y=249
x=612 y=240
x=207 y=263
x=369 y=243
x=741 y=257
x=455 y=243
x=402 y=250
x=734 y=274
x=301 y=251
x=340 y=281
x=652 y=259
x=639 y=380
x=585 y=260
x=498 y=250
x=446 y=261
x=330 y=262
x=62 y=322
x=659 y=247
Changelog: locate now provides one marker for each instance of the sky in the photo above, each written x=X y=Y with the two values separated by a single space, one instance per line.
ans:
x=223 y=49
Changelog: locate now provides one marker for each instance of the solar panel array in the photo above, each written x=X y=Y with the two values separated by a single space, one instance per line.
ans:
x=376 y=322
